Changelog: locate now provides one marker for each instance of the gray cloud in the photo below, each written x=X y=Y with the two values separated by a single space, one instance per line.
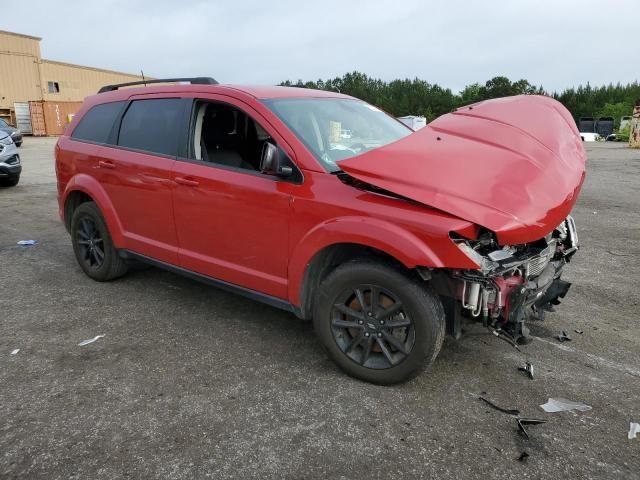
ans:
x=452 y=43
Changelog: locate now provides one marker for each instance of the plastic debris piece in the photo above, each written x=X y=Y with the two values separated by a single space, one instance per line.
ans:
x=563 y=405
x=523 y=456
x=528 y=369
x=564 y=337
x=27 y=243
x=634 y=429
x=508 y=411
x=15 y=352
x=91 y=340
x=579 y=331
x=528 y=421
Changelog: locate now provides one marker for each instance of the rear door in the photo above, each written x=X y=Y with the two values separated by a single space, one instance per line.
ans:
x=135 y=171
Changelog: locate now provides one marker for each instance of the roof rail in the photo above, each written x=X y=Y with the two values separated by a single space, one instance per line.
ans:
x=192 y=81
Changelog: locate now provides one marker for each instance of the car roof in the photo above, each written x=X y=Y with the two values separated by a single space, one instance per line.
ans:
x=261 y=92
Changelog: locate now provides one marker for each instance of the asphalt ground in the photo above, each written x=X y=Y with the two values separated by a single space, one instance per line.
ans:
x=193 y=382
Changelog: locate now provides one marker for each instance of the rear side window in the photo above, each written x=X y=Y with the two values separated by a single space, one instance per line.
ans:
x=152 y=125
x=97 y=123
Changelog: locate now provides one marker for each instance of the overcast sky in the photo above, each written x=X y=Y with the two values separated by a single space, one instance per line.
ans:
x=556 y=44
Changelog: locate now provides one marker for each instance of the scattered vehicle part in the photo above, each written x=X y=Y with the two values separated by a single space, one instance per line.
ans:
x=528 y=421
x=15 y=351
x=634 y=429
x=498 y=332
x=27 y=243
x=508 y=411
x=523 y=456
x=528 y=369
x=392 y=236
x=563 y=405
x=563 y=337
x=91 y=340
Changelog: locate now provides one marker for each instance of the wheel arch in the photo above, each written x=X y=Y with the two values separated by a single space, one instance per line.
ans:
x=83 y=188
x=336 y=241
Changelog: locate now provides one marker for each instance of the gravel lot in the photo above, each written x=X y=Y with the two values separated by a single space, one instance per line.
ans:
x=193 y=382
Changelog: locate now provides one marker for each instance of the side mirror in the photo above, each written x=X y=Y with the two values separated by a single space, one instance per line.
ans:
x=271 y=161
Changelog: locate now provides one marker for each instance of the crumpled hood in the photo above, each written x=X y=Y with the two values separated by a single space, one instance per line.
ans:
x=513 y=165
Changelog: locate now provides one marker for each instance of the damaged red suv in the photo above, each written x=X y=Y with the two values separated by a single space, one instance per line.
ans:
x=325 y=206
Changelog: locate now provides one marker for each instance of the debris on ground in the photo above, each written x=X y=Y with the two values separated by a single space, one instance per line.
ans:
x=563 y=337
x=634 y=429
x=508 y=411
x=563 y=405
x=91 y=340
x=619 y=254
x=580 y=332
x=528 y=421
x=27 y=243
x=15 y=352
x=523 y=456
x=528 y=369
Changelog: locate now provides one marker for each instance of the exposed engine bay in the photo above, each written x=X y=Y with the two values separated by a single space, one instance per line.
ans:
x=514 y=283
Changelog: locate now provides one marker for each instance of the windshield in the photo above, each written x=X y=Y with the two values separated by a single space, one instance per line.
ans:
x=335 y=129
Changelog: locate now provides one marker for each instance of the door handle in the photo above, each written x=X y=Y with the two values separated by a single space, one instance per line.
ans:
x=187 y=181
x=106 y=164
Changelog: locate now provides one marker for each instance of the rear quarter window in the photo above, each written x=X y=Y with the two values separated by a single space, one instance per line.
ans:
x=95 y=126
x=152 y=126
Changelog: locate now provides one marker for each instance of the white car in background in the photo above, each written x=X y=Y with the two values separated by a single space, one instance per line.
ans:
x=590 y=137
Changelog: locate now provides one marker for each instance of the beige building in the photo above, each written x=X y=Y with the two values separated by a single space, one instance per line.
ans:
x=38 y=94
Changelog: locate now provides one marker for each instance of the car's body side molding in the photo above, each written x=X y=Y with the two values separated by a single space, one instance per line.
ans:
x=359 y=230
x=91 y=187
x=229 y=287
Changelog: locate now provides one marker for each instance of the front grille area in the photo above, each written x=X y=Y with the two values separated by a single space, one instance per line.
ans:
x=537 y=265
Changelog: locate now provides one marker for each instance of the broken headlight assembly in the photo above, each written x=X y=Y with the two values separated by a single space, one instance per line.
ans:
x=512 y=282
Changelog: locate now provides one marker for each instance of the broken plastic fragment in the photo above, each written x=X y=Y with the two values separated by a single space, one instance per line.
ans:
x=508 y=411
x=528 y=369
x=27 y=243
x=91 y=340
x=634 y=429
x=579 y=331
x=15 y=352
x=564 y=337
x=528 y=421
x=563 y=405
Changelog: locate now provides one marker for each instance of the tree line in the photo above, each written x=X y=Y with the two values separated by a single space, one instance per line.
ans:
x=402 y=97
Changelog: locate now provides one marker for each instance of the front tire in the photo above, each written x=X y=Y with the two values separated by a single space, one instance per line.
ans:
x=377 y=323
x=93 y=246
x=11 y=181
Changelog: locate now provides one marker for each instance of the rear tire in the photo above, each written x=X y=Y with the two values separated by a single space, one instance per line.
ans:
x=377 y=323
x=93 y=246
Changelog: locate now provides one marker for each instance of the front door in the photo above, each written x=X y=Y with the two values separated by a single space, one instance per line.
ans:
x=231 y=220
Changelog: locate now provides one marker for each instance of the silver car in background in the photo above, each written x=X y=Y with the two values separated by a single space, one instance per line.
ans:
x=10 y=167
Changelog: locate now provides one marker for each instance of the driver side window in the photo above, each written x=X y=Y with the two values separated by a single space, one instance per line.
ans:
x=225 y=135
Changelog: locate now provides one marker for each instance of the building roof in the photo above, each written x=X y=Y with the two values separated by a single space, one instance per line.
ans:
x=20 y=35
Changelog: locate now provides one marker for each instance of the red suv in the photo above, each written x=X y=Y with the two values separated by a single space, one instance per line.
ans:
x=387 y=238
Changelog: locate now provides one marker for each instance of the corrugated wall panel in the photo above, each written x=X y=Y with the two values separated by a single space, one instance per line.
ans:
x=19 y=79
x=37 y=119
